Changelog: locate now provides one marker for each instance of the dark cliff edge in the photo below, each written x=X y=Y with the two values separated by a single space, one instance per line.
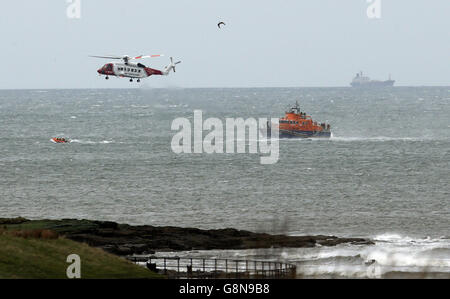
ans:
x=124 y=239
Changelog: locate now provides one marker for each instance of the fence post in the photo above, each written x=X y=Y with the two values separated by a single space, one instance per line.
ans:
x=189 y=269
x=226 y=268
x=215 y=268
x=204 y=269
x=246 y=268
x=165 y=269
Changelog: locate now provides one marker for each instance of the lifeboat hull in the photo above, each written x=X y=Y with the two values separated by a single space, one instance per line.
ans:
x=297 y=134
x=303 y=134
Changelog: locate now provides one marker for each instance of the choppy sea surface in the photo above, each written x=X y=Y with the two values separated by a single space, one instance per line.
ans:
x=385 y=173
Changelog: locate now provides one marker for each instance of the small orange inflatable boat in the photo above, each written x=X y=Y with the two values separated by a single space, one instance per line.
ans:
x=60 y=140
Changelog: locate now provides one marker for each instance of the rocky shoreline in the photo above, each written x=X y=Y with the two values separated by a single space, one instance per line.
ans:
x=124 y=239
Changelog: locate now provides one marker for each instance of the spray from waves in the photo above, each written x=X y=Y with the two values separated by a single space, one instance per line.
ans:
x=268 y=140
x=378 y=138
x=403 y=251
x=91 y=142
x=334 y=138
x=39 y=91
x=392 y=255
x=339 y=139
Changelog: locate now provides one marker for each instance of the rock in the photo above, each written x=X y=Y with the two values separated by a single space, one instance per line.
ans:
x=17 y=220
x=123 y=239
x=107 y=224
x=123 y=250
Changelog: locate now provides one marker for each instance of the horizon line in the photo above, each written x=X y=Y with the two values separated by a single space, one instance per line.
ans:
x=223 y=87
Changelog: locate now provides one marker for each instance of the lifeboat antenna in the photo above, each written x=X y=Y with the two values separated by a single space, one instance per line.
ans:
x=297 y=107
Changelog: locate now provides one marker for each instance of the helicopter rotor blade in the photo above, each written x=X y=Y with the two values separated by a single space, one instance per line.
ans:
x=127 y=58
x=148 y=56
x=107 y=57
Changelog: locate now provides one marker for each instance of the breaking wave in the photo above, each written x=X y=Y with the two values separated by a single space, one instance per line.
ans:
x=392 y=256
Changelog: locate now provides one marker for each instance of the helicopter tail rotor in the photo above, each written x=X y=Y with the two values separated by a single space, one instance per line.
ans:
x=171 y=66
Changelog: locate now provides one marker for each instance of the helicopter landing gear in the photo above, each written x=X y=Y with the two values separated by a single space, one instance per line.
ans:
x=106 y=77
x=131 y=80
x=138 y=80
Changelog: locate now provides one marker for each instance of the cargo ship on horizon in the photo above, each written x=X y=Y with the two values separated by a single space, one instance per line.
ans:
x=363 y=81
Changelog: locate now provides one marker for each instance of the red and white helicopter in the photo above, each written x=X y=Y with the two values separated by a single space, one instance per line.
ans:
x=131 y=70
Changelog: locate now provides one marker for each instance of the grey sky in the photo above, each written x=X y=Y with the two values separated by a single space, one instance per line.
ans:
x=265 y=43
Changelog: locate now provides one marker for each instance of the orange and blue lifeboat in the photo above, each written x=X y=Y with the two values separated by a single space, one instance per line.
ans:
x=296 y=124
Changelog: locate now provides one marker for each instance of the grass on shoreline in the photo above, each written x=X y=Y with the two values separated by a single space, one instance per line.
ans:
x=38 y=258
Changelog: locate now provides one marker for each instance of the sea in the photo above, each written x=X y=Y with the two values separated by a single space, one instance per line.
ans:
x=384 y=174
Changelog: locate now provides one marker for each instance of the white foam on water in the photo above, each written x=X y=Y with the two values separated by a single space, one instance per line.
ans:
x=359 y=139
x=403 y=251
x=90 y=142
x=375 y=139
x=141 y=106
x=391 y=253
x=335 y=271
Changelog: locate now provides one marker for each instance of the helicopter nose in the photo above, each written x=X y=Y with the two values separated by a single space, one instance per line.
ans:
x=99 y=71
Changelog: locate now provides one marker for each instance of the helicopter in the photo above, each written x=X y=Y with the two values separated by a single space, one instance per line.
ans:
x=136 y=71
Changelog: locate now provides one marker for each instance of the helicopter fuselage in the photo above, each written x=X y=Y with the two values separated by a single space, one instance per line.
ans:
x=128 y=70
